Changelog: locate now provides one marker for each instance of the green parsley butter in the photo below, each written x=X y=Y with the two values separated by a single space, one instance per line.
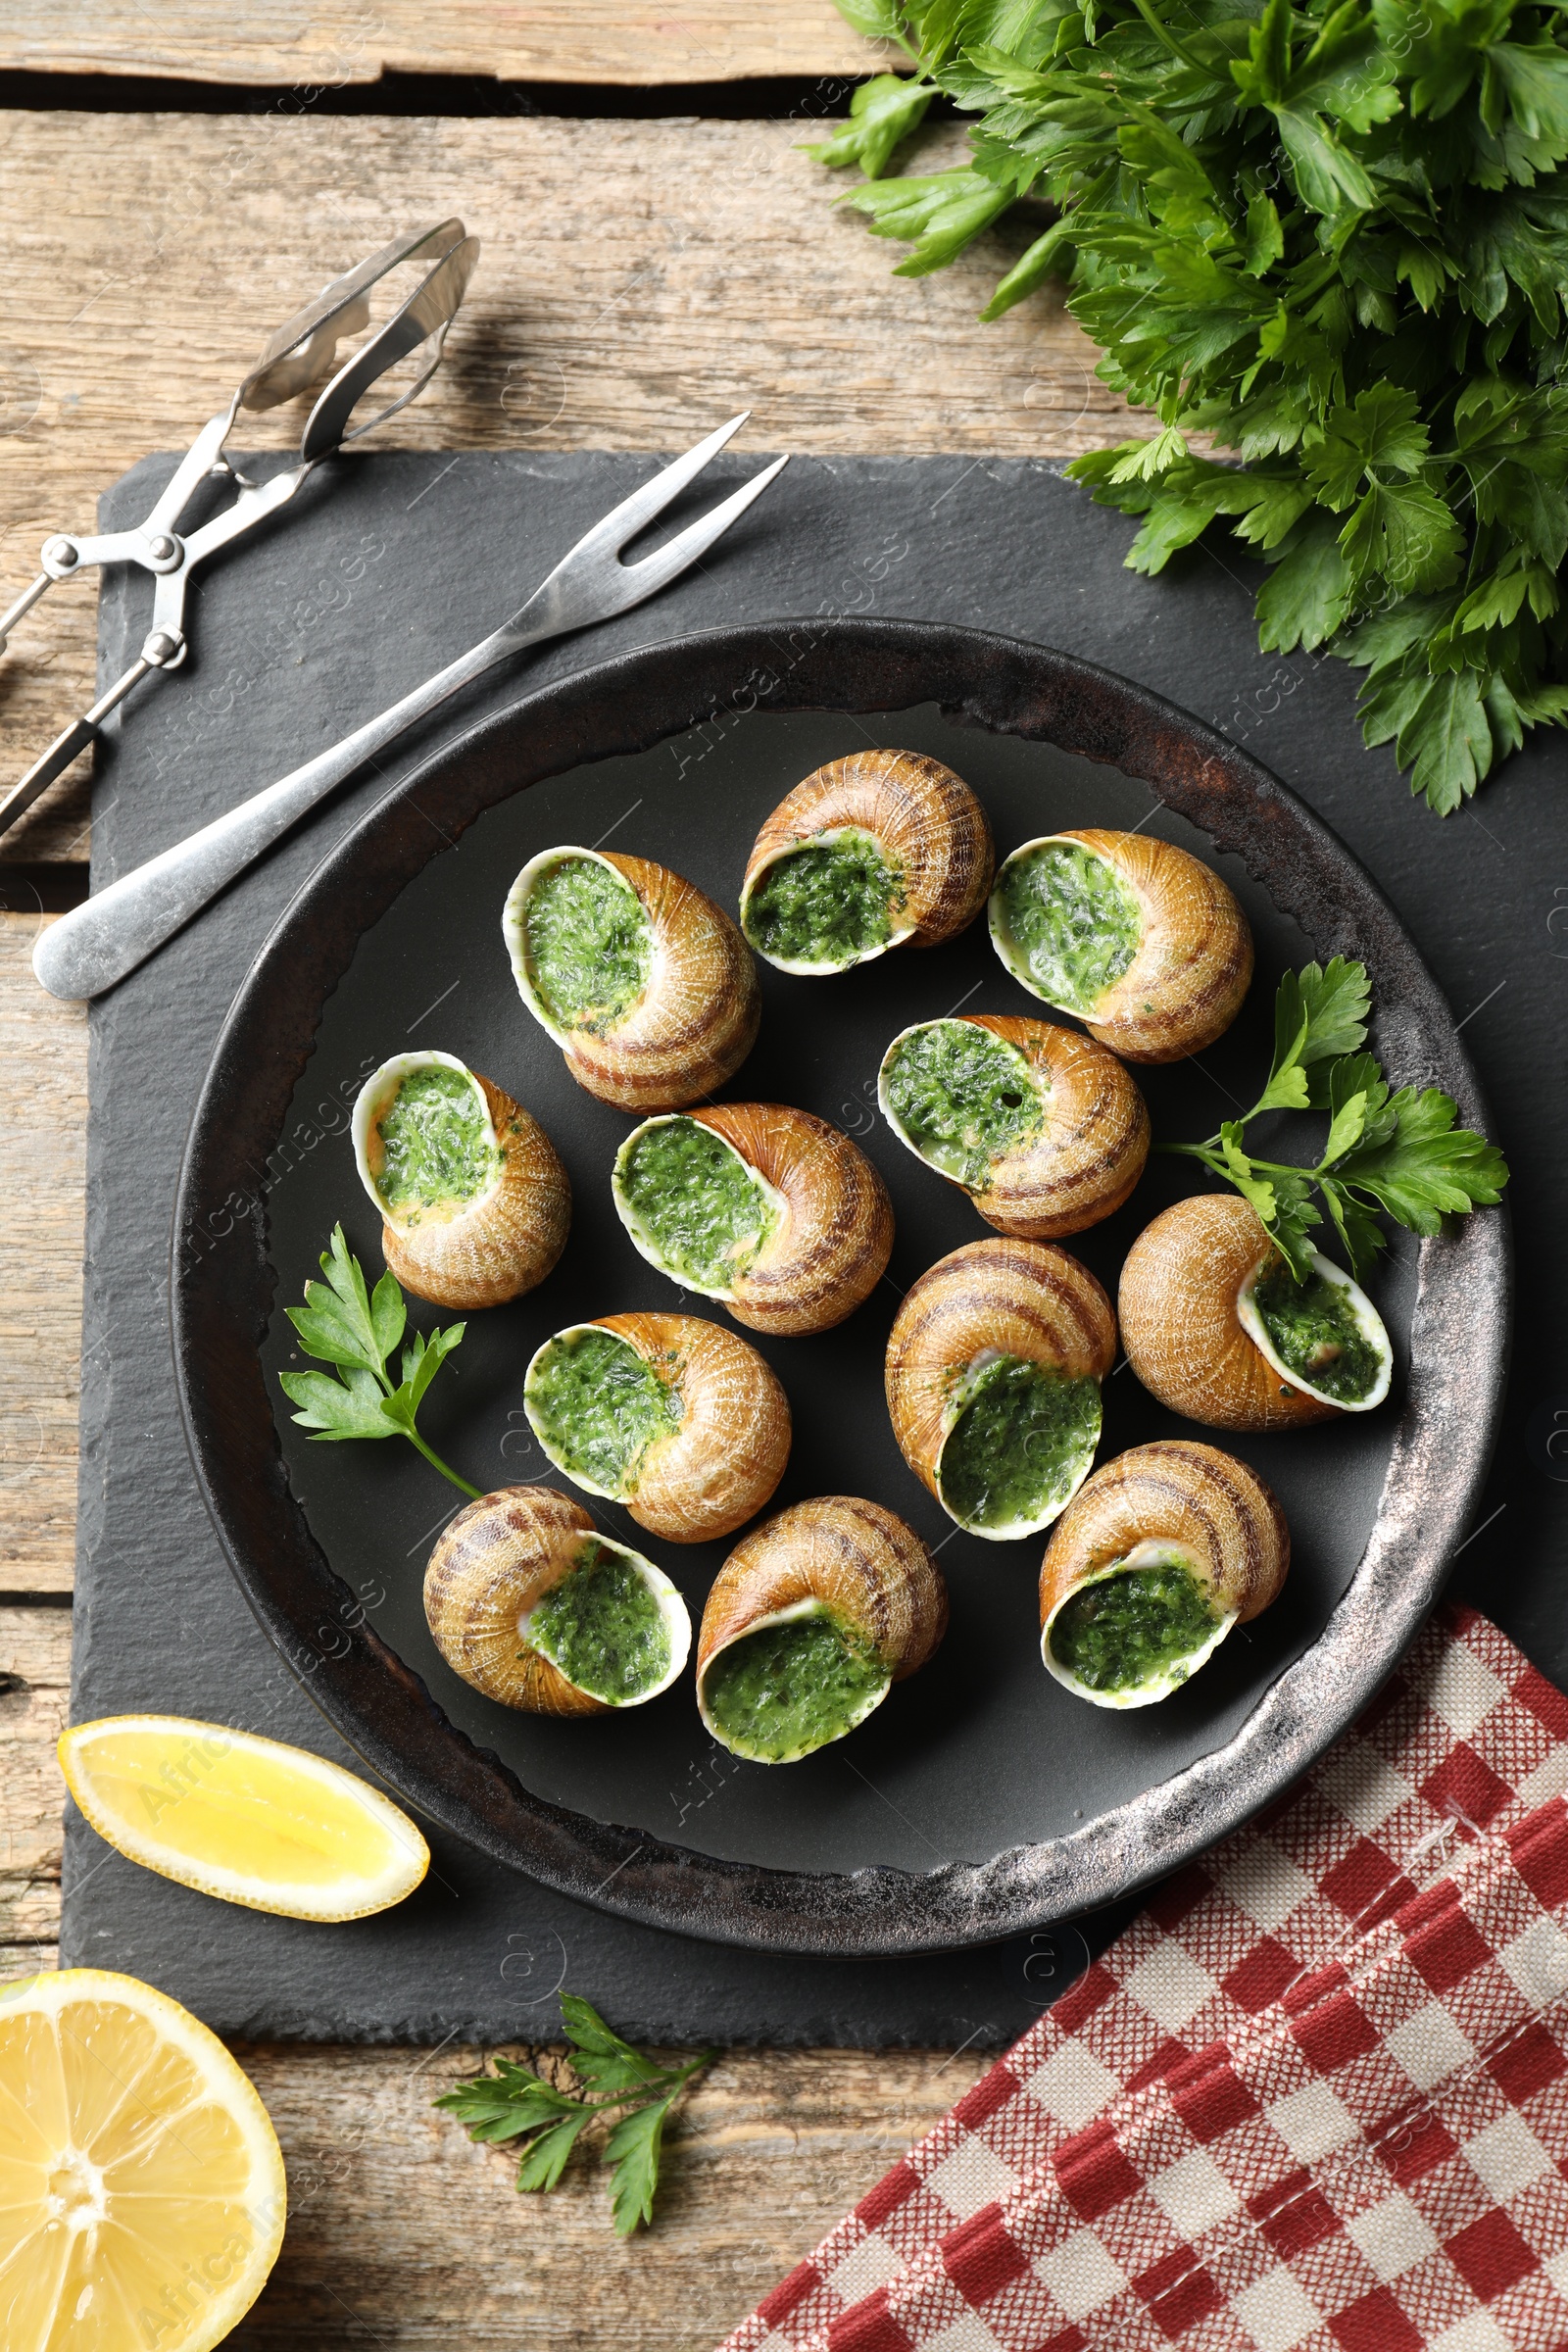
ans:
x=1020 y=1444
x=1130 y=1629
x=963 y=1097
x=785 y=1690
x=1072 y=921
x=830 y=902
x=694 y=1198
x=434 y=1139
x=588 y=944
x=596 y=1406
x=604 y=1628
x=1316 y=1335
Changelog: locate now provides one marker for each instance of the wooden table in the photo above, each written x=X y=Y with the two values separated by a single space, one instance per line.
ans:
x=639 y=280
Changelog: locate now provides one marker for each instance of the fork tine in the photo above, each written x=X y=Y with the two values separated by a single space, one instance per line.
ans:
x=654 y=572
x=634 y=513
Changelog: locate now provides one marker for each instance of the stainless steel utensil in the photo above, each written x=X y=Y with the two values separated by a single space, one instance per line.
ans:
x=292 y=360
x=98 y=943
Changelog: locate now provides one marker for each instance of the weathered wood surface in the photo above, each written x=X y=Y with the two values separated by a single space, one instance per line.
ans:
x=334 y=42
x=43 y=1051
x=639 y=282
x=402 y=2231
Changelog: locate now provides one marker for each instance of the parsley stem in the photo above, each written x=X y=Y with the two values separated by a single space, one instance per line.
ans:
x=474 y=1494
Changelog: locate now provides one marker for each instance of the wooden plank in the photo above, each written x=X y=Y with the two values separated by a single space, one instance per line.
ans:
x=44 y=1050
x=638 y=281
x=402 y=2231
x=339 y=42
x=34 y=1685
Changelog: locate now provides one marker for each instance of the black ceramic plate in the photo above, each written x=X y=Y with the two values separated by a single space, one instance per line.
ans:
x=981 y=1799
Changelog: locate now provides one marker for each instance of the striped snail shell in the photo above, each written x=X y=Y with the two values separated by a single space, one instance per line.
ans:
x=474 y=1204
x=1193 y=1288
x=1138 y=938
x=1042 y=1127
x=882 y=849
x=646 y=985
x=510 y=1593
x=675 y=1417
x=813 y=1616
x=994 y=1366
x=1151 y=1565
x=761 y=1205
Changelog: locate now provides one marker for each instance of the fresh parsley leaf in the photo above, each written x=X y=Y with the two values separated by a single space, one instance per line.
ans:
x=1428 y=1167
x=515 y=2103
x=357 y=1330
x=882 y=112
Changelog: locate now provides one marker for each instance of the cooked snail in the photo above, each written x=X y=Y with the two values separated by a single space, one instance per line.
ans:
x=770 y=1209
x=869 y=852
x=474 y=1204
x=1151 y=1565
x=810 y=1620
x=1143 y=942
x=676 y=1419
x=994 y=1368
x=646 y=985
x=529 y=1603
x=1042 y=1128
x=1217 y=1327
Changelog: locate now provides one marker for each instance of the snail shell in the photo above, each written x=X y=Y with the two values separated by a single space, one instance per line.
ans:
x=1192 y=964
x=1192 y=1331
x=717 y=1418
x=934 y=843
x=1075 y=1165
x=477 y=1251
x=841 y=1558
x=831 y=1231
x=493 y=1566
x=990 y=1302
x=1175 y=1503
x=688 y=1027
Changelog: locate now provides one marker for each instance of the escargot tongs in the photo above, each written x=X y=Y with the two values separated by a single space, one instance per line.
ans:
x=291 y=361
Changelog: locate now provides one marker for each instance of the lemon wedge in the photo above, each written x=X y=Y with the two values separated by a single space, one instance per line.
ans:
x=141 y=2185
x=243 y=1818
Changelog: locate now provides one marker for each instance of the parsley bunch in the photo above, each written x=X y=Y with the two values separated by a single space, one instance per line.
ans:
x=1332 y=239
x=1398 y=1156
x=515 y=2103
x=357 y=1331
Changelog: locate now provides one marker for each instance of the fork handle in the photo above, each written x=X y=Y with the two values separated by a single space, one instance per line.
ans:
x=107 y=937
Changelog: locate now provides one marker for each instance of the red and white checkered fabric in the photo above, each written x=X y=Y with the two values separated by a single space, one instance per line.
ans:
x=1315 y=2099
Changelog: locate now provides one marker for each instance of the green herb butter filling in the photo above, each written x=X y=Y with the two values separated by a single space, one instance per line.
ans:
x=435 y=1140
x=1134 y=1627
x=1070 y=920
x=602 y=1627
x=704 y=1212
x=961 y=1096
x=596 y=1407
x=829 y=901
x=587 y=944
x=1021 y=1444
x=1315 y=1331
x=789 y=1688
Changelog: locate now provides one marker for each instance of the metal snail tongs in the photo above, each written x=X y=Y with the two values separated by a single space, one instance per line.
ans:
x=292 y=360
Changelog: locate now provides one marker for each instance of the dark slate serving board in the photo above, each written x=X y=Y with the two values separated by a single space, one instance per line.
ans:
x=386 y=567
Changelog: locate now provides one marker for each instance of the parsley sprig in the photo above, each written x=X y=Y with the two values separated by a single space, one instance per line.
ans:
x=1329 y=236
x=1393 y=1154
x=358 y=1331
x=515 y=2103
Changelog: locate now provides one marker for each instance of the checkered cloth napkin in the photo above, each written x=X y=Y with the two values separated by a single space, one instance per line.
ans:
x=1315 y=2099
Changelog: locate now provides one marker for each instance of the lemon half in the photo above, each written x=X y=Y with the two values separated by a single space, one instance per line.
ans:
x=243 y=1818
x=142 y=2194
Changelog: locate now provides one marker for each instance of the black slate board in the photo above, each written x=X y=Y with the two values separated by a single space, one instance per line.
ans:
x=380 y=572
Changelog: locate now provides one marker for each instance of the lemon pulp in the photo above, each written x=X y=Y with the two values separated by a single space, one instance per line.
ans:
x=243 y=1818
x=141 y=2187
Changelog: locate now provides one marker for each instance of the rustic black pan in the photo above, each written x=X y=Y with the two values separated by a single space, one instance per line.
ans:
x=781 y=1859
